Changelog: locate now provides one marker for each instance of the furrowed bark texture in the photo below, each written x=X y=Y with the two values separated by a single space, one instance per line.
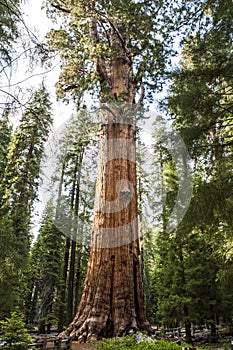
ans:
x=112 y=301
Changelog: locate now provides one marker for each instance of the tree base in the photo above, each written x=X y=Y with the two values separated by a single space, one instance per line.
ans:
x=90 y=332
x=112 y=303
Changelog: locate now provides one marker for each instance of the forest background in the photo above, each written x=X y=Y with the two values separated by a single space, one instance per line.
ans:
x=187 y=272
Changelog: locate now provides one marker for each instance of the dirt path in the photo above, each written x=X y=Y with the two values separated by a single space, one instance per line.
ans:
x=77 y=346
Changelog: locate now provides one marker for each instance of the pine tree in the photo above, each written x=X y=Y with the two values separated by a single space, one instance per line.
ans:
x=6 y=234
x=19 y=187
x=73 y=181
x=200 y=102
x=14 y=331
x=9 y=18
x=5 y=137
x=46 y=259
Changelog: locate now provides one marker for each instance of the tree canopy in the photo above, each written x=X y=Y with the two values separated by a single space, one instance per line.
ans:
x=9 y=17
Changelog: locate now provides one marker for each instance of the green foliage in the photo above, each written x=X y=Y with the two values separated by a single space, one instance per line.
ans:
x=76 y=203
x=45 y=270
x=88 y=35
x=18 y=190
x=5 y=138
x=129 y=342
x=201 y=94
x=67 y=219
x=13 y=331
x=5 y=132
x=193 y=265
x=9 y=17
x=25 y=152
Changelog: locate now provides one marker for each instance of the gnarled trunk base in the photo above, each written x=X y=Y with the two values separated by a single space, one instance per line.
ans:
x=112 y=302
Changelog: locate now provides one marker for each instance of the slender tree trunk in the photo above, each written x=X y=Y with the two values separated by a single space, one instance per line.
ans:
x=213 y=329
x=61 y=312
x=78 y=277
x=187 y=323
x=188 y=335
x=213 y=333
x=62 y=291
x=78 y=284
x=47 y=297
x=31 y=303
x=75 y=207
x=70 y=298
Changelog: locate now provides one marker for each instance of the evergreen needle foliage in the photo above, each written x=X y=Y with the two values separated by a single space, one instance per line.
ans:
x=14 y=332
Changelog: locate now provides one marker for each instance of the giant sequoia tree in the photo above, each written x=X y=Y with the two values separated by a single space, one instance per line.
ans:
x=113 y=49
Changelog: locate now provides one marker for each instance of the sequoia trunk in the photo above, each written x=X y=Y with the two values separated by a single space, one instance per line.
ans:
x=112 y=302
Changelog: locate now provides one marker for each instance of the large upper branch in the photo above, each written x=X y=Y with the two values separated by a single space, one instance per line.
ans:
x=115 y=29
x=100 y=63
x=60 y=8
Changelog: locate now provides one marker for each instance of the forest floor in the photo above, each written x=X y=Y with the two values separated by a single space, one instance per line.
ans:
x=77 y=346
x=201 y=339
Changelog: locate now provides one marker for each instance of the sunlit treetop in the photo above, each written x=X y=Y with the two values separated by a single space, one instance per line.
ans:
x=94 y=33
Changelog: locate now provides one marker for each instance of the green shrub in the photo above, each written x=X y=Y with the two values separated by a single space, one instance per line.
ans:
x=129 y=342
x=14 y=332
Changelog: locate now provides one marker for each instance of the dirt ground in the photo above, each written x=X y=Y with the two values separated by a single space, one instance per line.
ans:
x=77 y=346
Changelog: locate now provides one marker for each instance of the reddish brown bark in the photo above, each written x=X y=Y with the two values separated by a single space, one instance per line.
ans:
x=112 y=302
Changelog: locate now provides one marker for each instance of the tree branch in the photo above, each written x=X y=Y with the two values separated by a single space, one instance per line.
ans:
x=113 y=26
x=60 y=8
x=70 y=87
x=106 y=33
x=139 y=103
x=224 y=108
x=20 y=18
x=15 y=59
x=31 y=76
x=14 y=98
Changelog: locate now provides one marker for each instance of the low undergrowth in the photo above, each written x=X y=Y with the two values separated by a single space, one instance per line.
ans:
x=129 y=342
